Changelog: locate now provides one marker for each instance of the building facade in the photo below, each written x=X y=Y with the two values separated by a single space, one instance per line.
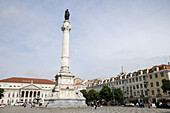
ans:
x=141 y=84
x=25 y=89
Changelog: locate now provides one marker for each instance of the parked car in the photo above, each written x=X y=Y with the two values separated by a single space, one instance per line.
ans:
x=19 y=104
x=129 y=104
x=2 y=105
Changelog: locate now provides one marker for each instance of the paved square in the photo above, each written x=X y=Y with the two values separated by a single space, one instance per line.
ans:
x=20 y=109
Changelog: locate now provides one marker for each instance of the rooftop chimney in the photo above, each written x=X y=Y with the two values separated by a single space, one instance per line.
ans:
x=168 y=63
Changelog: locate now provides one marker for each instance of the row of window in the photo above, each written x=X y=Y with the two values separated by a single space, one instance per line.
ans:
x=13 y=95
x=13 y=86
x=157 y=84
x=156 y=75
x=158 y=91
x=135 y=87
x=19 y=86
x=46 y=87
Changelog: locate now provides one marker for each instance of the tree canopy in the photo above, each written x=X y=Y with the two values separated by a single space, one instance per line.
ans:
x=118 y=94
x=93 y=95
x=106 y=93
x=165 y=85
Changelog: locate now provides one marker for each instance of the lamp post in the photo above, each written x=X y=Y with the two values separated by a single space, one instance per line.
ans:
x=113 y=95
x=146 y=88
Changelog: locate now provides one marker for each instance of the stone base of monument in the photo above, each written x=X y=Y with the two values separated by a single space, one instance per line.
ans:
x=54 y=103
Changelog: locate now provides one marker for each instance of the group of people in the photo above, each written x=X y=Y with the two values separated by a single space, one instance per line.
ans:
x=25 y=104
x=95 y=104
x=141 y=104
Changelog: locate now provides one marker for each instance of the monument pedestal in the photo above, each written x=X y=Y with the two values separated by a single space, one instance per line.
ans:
x=64 y=94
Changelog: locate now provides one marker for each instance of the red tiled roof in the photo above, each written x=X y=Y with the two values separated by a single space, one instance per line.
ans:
x=27 y=80
x=167 y=67
x=78 y=83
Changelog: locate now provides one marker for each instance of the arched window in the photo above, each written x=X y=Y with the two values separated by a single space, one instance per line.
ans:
x=8 y=94
x=35 y=94
x=30 y=93
x=22 y=95
x=26 y=94
x=38 y=93
x=13 y=95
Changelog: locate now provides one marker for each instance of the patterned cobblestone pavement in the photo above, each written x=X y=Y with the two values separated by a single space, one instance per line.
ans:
x=19 y=109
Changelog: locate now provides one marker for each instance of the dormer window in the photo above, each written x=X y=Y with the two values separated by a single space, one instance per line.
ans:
x=155 y=69
x=150 y=71
x=139 y=72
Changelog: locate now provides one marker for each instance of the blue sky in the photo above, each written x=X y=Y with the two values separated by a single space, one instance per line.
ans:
x=105 y=35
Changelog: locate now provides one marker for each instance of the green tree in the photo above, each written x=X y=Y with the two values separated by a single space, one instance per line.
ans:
x=165 y=85
x=93 y=95
x=106 y=93
x=118 y=94
x=86 y=95
x=1 y=93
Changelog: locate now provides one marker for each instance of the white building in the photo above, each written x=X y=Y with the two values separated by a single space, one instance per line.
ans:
x=25 y=89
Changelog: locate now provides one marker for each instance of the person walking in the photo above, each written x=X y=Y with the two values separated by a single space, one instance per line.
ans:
x=31 y=104
x=95 y=104
x=149 y=104
x=24 y=104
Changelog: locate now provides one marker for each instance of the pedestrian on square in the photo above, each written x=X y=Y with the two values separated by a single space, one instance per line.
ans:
x=149 y=103
x=92 y=103
x=95 y=105
x=24 y=104
x=137 y=104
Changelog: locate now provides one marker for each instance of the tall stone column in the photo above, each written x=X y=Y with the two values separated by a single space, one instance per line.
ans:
x=65 y=49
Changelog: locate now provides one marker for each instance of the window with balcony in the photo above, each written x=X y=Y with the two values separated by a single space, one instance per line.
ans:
x=151 y=84
x=162 y=74
x=156 y=75
x=137 y=86
x=141 y=86
x=157 y=83
x=146 y=93
x=134 y=93
x=138 y=93
x=142 y=92
x=140 y=78
x=153 y=93
x=150 y=76
x=133 y=79
x=123 y=82
x=158 y=91
x=136 y=79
